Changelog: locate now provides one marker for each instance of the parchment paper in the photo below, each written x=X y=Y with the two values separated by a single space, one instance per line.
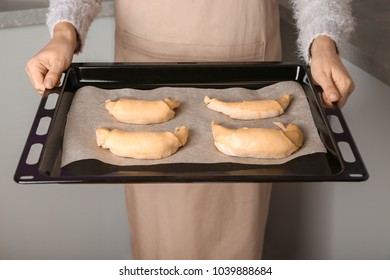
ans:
x=87 y=113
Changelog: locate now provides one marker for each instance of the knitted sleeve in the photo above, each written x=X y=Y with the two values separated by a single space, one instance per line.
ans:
x=322 y=17
x=80 y=13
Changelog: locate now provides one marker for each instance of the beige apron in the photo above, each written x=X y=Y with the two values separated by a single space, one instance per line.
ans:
x=209 y=220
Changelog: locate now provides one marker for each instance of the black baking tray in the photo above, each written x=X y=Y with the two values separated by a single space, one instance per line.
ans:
x=40 y=161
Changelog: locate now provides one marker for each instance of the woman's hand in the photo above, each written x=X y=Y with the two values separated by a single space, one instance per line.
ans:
x=329 y=72
x=46 y=67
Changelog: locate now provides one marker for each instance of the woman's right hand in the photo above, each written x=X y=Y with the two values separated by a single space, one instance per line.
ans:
x=46 y=67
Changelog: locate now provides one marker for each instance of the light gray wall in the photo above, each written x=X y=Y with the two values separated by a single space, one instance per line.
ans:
x=307 y=221
x=341 y=220
x=51 y=221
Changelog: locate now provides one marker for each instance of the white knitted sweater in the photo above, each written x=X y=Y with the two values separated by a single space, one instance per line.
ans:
x=313 y=18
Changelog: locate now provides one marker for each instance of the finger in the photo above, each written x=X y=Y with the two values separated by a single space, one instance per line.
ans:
x=36 y=74
x=346 y=87
x=343 y=99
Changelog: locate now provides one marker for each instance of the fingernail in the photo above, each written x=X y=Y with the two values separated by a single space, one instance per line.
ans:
x=48 y=83
x=333 y=97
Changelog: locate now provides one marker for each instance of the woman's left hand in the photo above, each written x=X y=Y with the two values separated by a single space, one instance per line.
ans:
x=329 y=72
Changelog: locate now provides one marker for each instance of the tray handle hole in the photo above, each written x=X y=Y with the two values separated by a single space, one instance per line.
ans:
x=355 y=175
x=26 y=177
x=61 y=80
x=34 y=153
x=43 y=126
x=335 y=124
x=346 y=152
x=51 y=101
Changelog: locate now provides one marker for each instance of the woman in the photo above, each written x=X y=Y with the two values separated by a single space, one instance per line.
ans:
x=200 y=221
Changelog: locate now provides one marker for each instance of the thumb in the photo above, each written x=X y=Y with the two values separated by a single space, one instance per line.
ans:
x=330 y=92
x=52 y=77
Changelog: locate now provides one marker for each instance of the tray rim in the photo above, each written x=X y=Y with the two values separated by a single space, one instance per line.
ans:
x=38 y=178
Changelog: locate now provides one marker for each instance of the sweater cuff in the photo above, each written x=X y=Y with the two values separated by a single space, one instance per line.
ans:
x=334 y=20
x=80 y=15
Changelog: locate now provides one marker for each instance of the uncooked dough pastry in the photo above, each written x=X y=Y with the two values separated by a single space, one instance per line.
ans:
x=267 y=143
x=136 y=111
x=251 y=109
x=142 y=144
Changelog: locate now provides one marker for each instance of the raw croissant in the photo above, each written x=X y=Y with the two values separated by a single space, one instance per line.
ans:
x=251 y=109
x=258 y=142
x=142 y=145
x=142 y=111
